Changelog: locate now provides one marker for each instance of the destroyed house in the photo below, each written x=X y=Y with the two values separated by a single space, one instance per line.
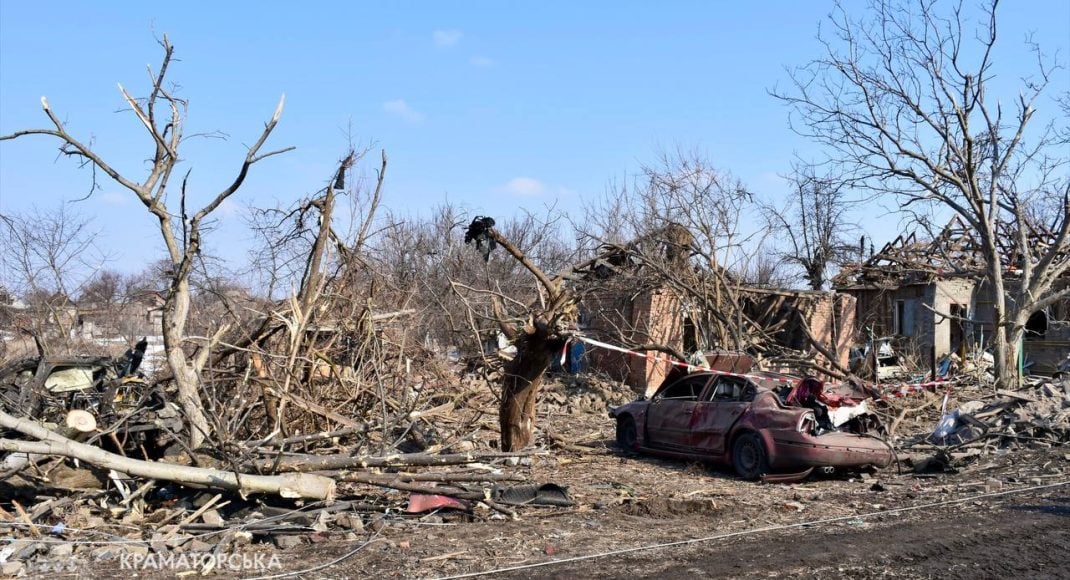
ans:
x=931 y=297
x=128 y=319
x=730 y=327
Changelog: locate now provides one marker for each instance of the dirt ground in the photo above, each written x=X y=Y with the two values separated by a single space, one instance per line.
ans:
x=1000 y=515
x=997 y=515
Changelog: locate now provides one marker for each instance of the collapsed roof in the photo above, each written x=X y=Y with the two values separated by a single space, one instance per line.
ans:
x=954 y=253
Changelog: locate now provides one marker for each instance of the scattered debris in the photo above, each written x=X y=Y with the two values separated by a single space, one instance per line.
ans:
x=100 y=449
x=421 y=503
x=547 y=494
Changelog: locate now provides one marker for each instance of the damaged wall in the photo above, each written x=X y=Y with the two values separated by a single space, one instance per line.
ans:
x=914 y=314
x=910 y=314
x=99 y=321
x=832 y=319
x=657 y=316
x=1047 y=349
x=828 y=317
x=1047 y=337
x=891 y=311
x=955 y=297
x=650 y=316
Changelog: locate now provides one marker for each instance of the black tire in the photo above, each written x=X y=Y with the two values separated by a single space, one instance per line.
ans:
x=627 y=435
x=749 y=457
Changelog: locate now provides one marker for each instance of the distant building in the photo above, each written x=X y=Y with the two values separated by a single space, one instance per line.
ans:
x=624 y=304
x=932 y=296
x=130 y=319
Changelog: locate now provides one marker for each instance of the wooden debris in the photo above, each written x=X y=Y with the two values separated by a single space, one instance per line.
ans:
x=1015 y=395
x=81 y=421
x=287 y=485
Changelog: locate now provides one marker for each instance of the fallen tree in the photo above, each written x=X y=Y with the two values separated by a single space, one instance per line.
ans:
x=330 y=462
x=291 y=485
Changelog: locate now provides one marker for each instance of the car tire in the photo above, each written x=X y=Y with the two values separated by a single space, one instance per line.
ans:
x=749 y=457
x=627 y=435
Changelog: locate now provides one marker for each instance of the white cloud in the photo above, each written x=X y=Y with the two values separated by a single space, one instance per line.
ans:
x=524 y=187
x=481 y=61
x=446 y=38
x=400 y=109
x=113 y=198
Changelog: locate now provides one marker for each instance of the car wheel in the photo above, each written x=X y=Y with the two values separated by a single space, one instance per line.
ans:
x=749 y=457
x=627 y=436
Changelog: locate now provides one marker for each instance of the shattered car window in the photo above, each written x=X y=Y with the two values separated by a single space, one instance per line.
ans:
x=688 y=388
x=730 y=389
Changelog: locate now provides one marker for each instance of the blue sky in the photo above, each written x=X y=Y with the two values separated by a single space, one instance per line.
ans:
x=497 y=106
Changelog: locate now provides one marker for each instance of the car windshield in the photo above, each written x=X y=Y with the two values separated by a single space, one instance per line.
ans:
x=687 y=388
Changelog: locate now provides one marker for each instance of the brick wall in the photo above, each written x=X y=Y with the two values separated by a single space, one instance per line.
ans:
x=606 y=314
x=615 y=316
x=655 y=316
x=658 y=319
x=831 y=317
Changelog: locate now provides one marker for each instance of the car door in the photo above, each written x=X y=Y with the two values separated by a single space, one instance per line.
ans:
x=668 y=419
x=720 y=406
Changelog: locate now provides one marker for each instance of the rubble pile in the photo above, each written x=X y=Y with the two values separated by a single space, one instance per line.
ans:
x=53 y=530
x=1039 y=414
x=972 y=418
x=586 y=394
x=432 y=458
x=424 y=447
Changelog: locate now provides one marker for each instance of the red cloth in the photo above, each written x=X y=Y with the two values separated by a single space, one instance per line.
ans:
x=421 y=502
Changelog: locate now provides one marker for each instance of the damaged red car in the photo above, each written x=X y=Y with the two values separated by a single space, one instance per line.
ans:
x=760 y=424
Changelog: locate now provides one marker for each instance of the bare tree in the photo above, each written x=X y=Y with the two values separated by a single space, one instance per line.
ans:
x=684 y=221
x=49 y=256
x=180 y=230
x=105 y=286
x=767 y=269
x=814 y=222
x=321 y=326
x=903 y=98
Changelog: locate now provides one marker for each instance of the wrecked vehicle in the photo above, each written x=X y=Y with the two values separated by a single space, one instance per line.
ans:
x=35 y=386
x=748 y=423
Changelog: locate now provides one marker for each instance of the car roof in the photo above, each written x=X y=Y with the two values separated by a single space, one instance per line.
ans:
x=764 y=379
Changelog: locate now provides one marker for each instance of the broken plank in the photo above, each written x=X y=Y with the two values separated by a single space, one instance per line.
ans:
x=25 y=518
x=1014 y=395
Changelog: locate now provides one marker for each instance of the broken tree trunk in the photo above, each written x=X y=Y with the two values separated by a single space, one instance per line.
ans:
x=79 y=423
x=539 y=340
x=296 y=485
x=520 y=389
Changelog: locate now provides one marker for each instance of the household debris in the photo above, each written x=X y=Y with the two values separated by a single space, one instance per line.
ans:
x=979 y=421
x=348 y=486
